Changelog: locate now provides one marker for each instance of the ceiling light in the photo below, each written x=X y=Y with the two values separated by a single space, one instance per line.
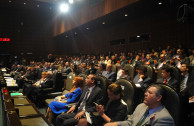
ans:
x=64 y=8
x=138 y=36
x=160 y=3
x=103 y=22
x=38 y=5
x=24 y=3
x=126 y=15
x=71 y=1
x=87 y=28
x=9 y=1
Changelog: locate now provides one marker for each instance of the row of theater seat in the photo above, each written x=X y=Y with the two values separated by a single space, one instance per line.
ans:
x=19 y=111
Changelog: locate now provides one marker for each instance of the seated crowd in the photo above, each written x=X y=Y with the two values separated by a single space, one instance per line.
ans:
x=175 y=67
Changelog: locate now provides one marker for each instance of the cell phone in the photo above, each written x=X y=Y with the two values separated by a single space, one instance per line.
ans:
x=95 y=103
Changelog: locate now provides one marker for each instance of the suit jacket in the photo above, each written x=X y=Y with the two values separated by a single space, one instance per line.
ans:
x=172 y=82
x=145 y=83
x=47 y=83
x=160 y=117
x=110 y=76
x=95 y=96
x=123 y=63
x=188 y=85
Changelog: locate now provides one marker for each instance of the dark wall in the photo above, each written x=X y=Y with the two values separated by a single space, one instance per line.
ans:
x=30 y=30
x=160 y=23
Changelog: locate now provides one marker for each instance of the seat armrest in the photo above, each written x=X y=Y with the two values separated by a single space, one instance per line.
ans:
x=70 y=105
x=53 y=95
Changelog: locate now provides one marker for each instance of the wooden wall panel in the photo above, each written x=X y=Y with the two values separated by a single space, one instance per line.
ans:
x=87 y=13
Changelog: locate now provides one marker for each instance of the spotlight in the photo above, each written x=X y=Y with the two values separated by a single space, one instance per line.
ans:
x=71 y=1
x=64 y=8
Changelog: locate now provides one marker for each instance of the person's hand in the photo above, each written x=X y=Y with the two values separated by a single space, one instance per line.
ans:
x=141 y=76
x=59 y=99
x=34 y=84
x=71 y=110
x=100 y=109
x=112 y=124
x=79 y=115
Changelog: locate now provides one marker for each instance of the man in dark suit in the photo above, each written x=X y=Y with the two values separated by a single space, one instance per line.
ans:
x=124 y=61
x=142 y=78
x=148 y=60
x=184 y=88
x=109 y=74
x=162 y=61
x=137 y=61
x=91 y=93
x=31 y=90
x=167 y=77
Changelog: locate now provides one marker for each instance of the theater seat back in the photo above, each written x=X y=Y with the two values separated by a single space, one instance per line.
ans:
x=128 y=93
x=172 y=103
x=130 y=69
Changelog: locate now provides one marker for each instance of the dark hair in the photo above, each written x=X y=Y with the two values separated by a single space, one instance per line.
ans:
x=116 y=89
x=143 y=68
x=126 y=72
x=94 y=78
x=167 y=68
x=103 y=66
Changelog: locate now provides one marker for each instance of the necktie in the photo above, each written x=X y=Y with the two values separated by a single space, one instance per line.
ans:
x=83 y=101
x=165 y=81
x=143 y=118
x=182 y=85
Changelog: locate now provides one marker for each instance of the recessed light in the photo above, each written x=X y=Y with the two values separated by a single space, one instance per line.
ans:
x=126 y=15
x=38 y=5
x=66 y=36
x=9 y=1
x=160 y=3
x=24 y=3
x=103 y=22
x=138 y=36
x=87 y=28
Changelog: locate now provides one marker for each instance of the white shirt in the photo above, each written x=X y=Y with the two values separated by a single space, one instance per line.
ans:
x=119 y=74
x=185 y=80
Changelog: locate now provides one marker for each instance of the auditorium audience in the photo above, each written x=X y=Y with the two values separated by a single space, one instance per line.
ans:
x=185 y=87
x=125 y=75
x=109 y=74
x=119 y=70
x=115 y=110
x=170 y=56
x=33 y=91
x=107 y=60
x=150 y=112
x=91 y=93
x=142 y=78
x=148 y=60
x=123 y=61
x=167 y=77
x=162 y=61
x=59 y=105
